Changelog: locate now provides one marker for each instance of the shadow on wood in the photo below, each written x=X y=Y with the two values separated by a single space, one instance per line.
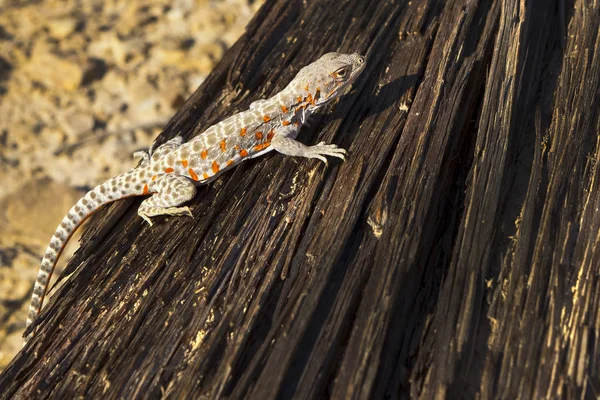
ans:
x=455 y=253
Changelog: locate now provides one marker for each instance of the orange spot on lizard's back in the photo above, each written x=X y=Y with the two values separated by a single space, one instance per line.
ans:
x=215 y=167
x=146 y=190
x=261 y=146
x=286 y=123
x=299 y=99
x=154 y=177
x=184 y=163
x=284 y=109
x=223 y=145
x=205 y=175
x=243 y=153
x=243 y=132
x=193 y=174
x=229 y=162
x=266 y=118
x=204 y=154
x=258 y=135
x=270 y=134
x=169 y=170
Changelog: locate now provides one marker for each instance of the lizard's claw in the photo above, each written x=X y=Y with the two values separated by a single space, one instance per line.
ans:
x=143 y=155
x=323 y=149
x=146 y=218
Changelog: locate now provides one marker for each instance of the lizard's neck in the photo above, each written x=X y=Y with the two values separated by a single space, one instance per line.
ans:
x=294 y=105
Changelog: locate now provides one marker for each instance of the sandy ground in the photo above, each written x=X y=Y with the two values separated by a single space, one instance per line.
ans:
x=82 y=86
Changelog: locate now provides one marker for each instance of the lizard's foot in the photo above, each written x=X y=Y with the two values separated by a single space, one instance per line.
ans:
x=177 y=211
x=146 y=218
x=165 y=148
x=291 y=147
x=168 y=192
x=143 y=155
x=323 y=149
x=155 y=211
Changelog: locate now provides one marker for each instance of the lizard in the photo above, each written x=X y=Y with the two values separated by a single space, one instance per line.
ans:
x=171 y=172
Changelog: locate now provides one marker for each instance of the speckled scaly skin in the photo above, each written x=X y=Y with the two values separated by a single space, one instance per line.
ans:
x=171 y=172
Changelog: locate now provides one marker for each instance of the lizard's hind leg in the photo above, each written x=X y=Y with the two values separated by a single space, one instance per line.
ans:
x=169 y=191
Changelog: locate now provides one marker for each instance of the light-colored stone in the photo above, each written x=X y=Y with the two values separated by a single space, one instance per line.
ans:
x=31 y=214
x=54 y=72
x=61 y=27
x=76 y=121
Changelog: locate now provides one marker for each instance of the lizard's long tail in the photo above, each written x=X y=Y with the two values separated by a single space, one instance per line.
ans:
x=121 y=186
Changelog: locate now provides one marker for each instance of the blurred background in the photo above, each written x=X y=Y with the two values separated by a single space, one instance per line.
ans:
x=84 y=84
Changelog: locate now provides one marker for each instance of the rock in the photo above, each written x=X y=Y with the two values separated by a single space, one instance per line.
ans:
x=32 y=219
x=61 y=27
x=168 y=56
x=54 y=72
x=76 y=121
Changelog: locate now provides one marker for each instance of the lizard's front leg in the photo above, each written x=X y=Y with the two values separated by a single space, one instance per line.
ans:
x=155 y=154
x=169 y=191
x=144 y=156
x=165 y=148
x=284 y=143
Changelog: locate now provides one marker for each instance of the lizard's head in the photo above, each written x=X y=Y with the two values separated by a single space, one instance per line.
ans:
x=327 y=78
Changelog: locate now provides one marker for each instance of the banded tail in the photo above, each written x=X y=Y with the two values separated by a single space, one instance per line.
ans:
x=121 y=186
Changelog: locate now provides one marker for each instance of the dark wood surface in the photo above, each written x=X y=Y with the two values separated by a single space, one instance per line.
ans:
x=455 y=254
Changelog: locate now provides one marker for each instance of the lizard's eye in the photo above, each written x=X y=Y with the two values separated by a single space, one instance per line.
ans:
x=341 y=73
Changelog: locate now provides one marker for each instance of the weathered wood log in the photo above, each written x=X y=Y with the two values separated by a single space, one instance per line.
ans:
x=454 y=254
